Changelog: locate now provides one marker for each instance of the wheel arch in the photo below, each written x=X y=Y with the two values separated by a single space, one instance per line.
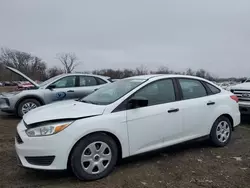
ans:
x=29 y=97
x=229 y=118
x=113 y=136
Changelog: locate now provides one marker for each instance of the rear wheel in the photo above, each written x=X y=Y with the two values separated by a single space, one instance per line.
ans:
x=221 y=132
x=94 y=157
x=27 y=105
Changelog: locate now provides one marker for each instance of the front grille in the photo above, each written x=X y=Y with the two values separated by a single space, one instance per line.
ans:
x=18 y=138
x=243 y=95
x=41 y=161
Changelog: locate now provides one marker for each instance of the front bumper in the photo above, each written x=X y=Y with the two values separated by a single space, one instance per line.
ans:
x=5 y=104
x=45 y=153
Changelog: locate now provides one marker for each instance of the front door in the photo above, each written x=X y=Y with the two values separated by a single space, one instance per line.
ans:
x=64 y=89
x=161 y=120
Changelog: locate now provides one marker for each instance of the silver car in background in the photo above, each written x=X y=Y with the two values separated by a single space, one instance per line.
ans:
x=61 y=87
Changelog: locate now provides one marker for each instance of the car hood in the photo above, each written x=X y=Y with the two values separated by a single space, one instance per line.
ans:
x=23 y=75
x=244 y=86
x=69 y=109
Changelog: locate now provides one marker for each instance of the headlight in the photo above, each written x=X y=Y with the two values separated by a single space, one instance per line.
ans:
x=48 y=129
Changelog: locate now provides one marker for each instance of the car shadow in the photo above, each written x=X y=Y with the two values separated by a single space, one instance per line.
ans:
x=245 y=120
x=5 y=116
x=171 y=151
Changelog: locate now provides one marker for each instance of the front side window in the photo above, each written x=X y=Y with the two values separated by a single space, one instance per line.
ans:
x=113 y=91
x=192 y=88
x=49 y=80
x=69 y=81
x=158 y=92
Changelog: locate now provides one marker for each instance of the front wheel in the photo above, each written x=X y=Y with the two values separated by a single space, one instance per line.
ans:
x=221 y=132
x=27 y=105
x=94 y=157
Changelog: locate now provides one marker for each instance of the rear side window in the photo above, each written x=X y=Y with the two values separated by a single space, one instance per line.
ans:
x=192 y=88
x=213 y=89
x=87 y=81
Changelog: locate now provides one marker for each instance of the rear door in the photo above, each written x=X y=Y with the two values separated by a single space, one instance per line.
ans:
x=65 y=88
x=87 y=85
x=197 y=106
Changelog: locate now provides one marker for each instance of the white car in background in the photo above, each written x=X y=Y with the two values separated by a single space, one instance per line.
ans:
x=242 y=91
x=124 y=118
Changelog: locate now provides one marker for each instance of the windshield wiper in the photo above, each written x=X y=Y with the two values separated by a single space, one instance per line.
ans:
x=90 y=102
x=87 y=101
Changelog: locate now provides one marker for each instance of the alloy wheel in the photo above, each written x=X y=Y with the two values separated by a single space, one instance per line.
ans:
x=28 y=106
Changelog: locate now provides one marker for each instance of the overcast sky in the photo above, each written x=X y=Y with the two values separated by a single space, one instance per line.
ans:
x=209 y=34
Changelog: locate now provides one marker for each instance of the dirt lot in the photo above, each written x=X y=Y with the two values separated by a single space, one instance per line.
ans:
x=187 y=165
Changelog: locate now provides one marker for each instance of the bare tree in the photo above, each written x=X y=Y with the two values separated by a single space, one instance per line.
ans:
x=69 y=61
x=141 y=70
x=190 y=72
x=17 y=59
x=54 y=71
x=162 y=70
x=37 y=69
x=22 y=61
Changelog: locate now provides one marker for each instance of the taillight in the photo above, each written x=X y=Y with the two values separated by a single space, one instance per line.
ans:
x=235 y=98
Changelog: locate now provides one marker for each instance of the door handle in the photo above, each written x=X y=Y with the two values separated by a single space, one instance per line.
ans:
x=210 y=103
x=70 y=91
x=173 y=110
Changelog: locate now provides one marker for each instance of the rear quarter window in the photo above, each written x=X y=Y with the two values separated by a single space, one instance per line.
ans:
x=213 y=89
x=100 y=81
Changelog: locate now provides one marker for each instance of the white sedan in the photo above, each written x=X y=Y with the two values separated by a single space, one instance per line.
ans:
x=124 y=118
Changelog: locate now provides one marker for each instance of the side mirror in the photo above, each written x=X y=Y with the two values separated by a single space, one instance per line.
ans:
x=51 y=87
x=137 y=102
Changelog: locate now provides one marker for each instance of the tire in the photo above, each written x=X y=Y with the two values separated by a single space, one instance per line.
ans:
x=34 y=102
x=222 y=128
x=82 y=169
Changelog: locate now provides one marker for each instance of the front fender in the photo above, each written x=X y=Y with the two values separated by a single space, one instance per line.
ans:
x=39 y=98
x=83 y=127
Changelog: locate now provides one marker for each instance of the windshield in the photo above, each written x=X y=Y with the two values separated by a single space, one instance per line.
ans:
x=112 y=92
x=49 y=80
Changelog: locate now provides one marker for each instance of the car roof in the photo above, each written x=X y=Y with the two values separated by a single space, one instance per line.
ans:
x=84 y=74
x=159 y=76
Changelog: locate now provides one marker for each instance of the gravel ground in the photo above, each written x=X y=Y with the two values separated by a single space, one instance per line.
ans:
x=195 y=164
